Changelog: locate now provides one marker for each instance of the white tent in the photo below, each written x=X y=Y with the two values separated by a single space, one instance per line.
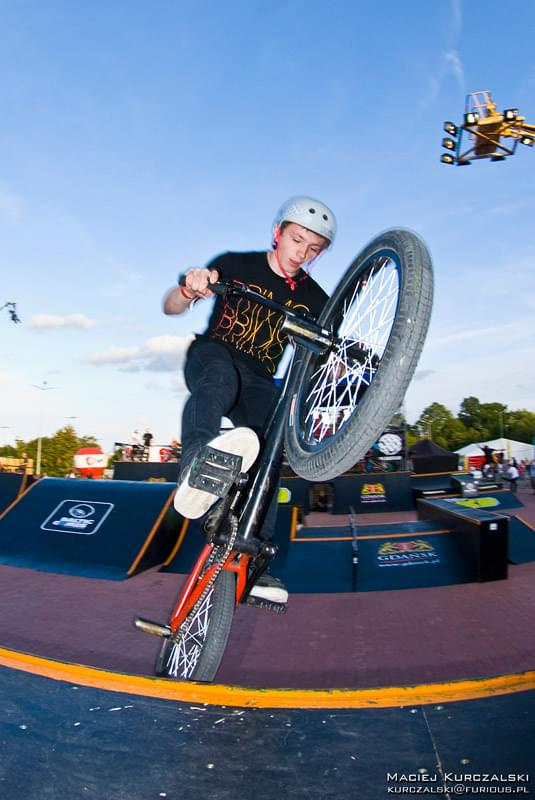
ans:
x=509 y=448
x=470 y=450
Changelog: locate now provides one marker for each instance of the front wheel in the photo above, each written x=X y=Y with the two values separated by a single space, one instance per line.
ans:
x=195 y=651
x=343 y=400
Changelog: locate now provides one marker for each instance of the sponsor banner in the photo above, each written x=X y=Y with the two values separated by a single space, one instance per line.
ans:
x=77 y=516
x=373 y=493
x=90 y=461
x=392 y=443
x=285 y=495
x=406 y=553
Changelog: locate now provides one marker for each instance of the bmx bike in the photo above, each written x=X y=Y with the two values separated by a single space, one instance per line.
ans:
x=348 y=375
x=369 y=465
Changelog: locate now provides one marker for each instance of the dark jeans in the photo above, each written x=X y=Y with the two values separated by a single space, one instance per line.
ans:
x=222 y=386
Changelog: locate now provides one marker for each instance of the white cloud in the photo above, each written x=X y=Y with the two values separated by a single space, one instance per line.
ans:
x=450 y=63
x=423 y=374
x=455 y=65
x=457 y=16
x=158 y=354
x=53 y=322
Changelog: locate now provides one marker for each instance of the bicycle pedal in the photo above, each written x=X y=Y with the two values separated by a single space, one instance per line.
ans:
x=277 y=608
x=153 y=628
x=215 y=471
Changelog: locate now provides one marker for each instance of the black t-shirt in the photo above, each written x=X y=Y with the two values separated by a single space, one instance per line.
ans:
x=253 y=332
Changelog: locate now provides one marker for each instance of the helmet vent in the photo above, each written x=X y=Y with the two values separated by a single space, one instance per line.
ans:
x=309 y=213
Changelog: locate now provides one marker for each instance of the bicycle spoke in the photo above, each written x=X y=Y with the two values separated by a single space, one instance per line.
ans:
x=337 y=385
x=346 y=396
x=187 y=647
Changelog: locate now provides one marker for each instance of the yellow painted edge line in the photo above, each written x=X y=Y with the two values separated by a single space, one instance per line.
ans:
x=22 y=487
x=523 y=521
x=178 y=544
x=217 y=694
x=430 y=474
x=151 y=534
x=293 y=522
x=20 y=496
x=419 y=534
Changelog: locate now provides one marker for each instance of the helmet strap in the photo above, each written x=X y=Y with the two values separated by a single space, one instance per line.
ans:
x=288 y=278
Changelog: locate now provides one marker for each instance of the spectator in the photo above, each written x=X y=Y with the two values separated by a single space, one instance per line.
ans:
x=137 y=447
x=531 y=473
x=511 y=475
x=488 y=452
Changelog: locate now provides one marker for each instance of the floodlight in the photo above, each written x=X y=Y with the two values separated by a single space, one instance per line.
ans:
x=450 y=128
x=447 y=158
x=472 y=118
x=449 y=144
x=510 y=114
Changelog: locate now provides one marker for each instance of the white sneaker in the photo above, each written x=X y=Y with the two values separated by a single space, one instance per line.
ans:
x=192 y=503
x=269 y=588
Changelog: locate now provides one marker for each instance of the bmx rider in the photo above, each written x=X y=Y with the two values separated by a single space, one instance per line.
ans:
x=229 y=368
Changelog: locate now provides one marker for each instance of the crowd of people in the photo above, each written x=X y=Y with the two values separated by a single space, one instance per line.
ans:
x=512 y=471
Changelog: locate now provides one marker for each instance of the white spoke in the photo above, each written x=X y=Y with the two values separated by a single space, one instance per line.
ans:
x=186 y=650
x=367 y=316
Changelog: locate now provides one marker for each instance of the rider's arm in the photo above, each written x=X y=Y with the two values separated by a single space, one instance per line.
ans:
x=197 y=282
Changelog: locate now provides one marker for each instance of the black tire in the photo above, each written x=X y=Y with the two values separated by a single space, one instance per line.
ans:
x=196 y=654
x=376 y=366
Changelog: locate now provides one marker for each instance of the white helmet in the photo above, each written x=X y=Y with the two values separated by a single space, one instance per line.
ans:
x=309 y=213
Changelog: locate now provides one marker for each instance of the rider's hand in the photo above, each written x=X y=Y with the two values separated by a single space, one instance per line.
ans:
x=198 y=281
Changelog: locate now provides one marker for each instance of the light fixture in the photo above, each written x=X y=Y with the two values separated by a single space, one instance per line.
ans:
x=449 y=144
x=450 y=128
x=510 y=114
x=472 y=118
x=447 y=158
x=527 y=140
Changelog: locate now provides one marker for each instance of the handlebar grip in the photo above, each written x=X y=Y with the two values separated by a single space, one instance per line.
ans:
x=216 y=288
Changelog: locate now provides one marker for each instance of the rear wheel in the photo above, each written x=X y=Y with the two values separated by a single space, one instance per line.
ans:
x=195 y=651
x=344 y=399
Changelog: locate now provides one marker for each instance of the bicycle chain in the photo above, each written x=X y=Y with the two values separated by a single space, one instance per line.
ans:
x=208 y=588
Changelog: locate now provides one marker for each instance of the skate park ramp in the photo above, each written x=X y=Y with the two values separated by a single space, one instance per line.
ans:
x=111 y=744
x=521 y=540
x=417 y=664
x=11 y=487
x=191 y=537
x=100 y=529
x=382 y=557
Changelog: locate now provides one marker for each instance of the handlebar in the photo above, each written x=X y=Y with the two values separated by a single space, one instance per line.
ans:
x=219 y=287
x=302 y=326
x=226 y=286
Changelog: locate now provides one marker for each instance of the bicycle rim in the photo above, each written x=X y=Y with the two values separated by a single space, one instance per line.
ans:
x=343 y=400
x=195 y=651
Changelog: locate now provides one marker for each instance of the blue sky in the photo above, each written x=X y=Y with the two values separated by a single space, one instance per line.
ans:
x=139 y=139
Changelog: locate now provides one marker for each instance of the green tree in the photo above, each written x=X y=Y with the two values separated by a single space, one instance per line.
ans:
x=487 y=420
x=520 y=425
x=433 y=422
x=455 y=434
x=470 y=413
x=57 y=451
